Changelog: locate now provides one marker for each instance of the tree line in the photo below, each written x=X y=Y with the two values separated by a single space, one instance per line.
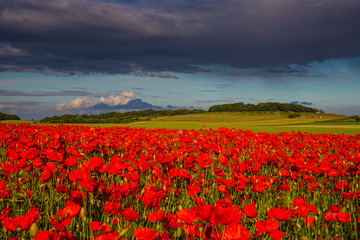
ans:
x=269 y=106
x=4 y=116
x=117 y=117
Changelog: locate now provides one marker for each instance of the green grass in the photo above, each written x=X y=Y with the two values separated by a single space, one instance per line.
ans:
x=272 y=122
x=254 y=121
x=16 y=121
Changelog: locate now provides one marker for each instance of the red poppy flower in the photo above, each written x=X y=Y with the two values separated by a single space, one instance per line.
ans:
x=171 y=222
x=46 y=175
x=130 y=214
x=94 y=163
x=205 y=161
x=112 y=208
x=227 y=216
x=271 y=227
x=349 y=195
x=47 y=235
x=267 y=226
x=79 y=174
x=24 y=222
x=109 y=236
x=96 y=226
x=186 y=215
x=250 y=210
x=71 y=209
x=334 y=208
x=71 y=161
x=204 y=212
x=344 y=217
x=59 y=222
x=224 y=161
x=330 y=216
x=146 y=234
x=309 y=220
x=157 y=216
x=280 y=213
x=238 y=232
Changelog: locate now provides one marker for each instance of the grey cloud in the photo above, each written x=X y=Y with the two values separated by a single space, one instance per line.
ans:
x=159 y=75
x=81 y=36
x=284 y=71
x=26 y=110
x=15 y=104
x=218 y=101
x=5 y=92
x=6 y=50
x=208 y=91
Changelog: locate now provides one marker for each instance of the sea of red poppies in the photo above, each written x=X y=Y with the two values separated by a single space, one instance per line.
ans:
x=78 y=182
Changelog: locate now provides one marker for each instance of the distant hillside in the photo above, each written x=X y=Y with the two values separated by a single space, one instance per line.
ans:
x=269 y=106
x=146 y=115
x=4 y=116
x=117 y=117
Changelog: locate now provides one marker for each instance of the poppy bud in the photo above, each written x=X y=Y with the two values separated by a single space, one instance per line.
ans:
x=33 y=230
x=180 y=207
x=123 y=232
x=82 y=213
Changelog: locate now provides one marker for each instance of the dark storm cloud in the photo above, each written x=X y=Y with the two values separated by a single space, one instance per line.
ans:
x=4 y=92
x=159 y=75
x=82 y=36
x=292 y=70
x=15 y=104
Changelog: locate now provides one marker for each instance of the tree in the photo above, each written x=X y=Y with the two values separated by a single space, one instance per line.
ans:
x=4 y=116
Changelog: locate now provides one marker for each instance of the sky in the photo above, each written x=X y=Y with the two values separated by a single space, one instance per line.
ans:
x=94 y=56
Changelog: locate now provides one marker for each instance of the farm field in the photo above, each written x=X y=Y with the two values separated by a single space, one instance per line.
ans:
x=273 y=122
x=256 y=122
x=86 y=182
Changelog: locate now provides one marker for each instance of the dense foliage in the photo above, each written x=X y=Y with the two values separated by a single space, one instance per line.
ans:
x=117 y=117
x=269 y=106
x=76 y=182
x=4 y=116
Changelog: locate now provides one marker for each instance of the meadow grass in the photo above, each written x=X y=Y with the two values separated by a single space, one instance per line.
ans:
x=271 y=122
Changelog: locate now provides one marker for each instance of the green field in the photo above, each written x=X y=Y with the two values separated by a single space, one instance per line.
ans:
x=257 y=122
x=272 y=122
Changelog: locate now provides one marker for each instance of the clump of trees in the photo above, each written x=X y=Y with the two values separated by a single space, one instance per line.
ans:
x=269 y=106
x=4 y=116
x=117 y=117
x=294 y=115
x=356 y=117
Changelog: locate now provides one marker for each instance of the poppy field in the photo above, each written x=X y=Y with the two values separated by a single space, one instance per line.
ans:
x=81 y=182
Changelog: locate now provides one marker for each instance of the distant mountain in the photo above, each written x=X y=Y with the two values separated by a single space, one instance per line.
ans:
x=136 y=104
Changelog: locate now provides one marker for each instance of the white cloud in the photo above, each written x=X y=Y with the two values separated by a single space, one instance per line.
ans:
x=86 y=102
x=11 y=51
